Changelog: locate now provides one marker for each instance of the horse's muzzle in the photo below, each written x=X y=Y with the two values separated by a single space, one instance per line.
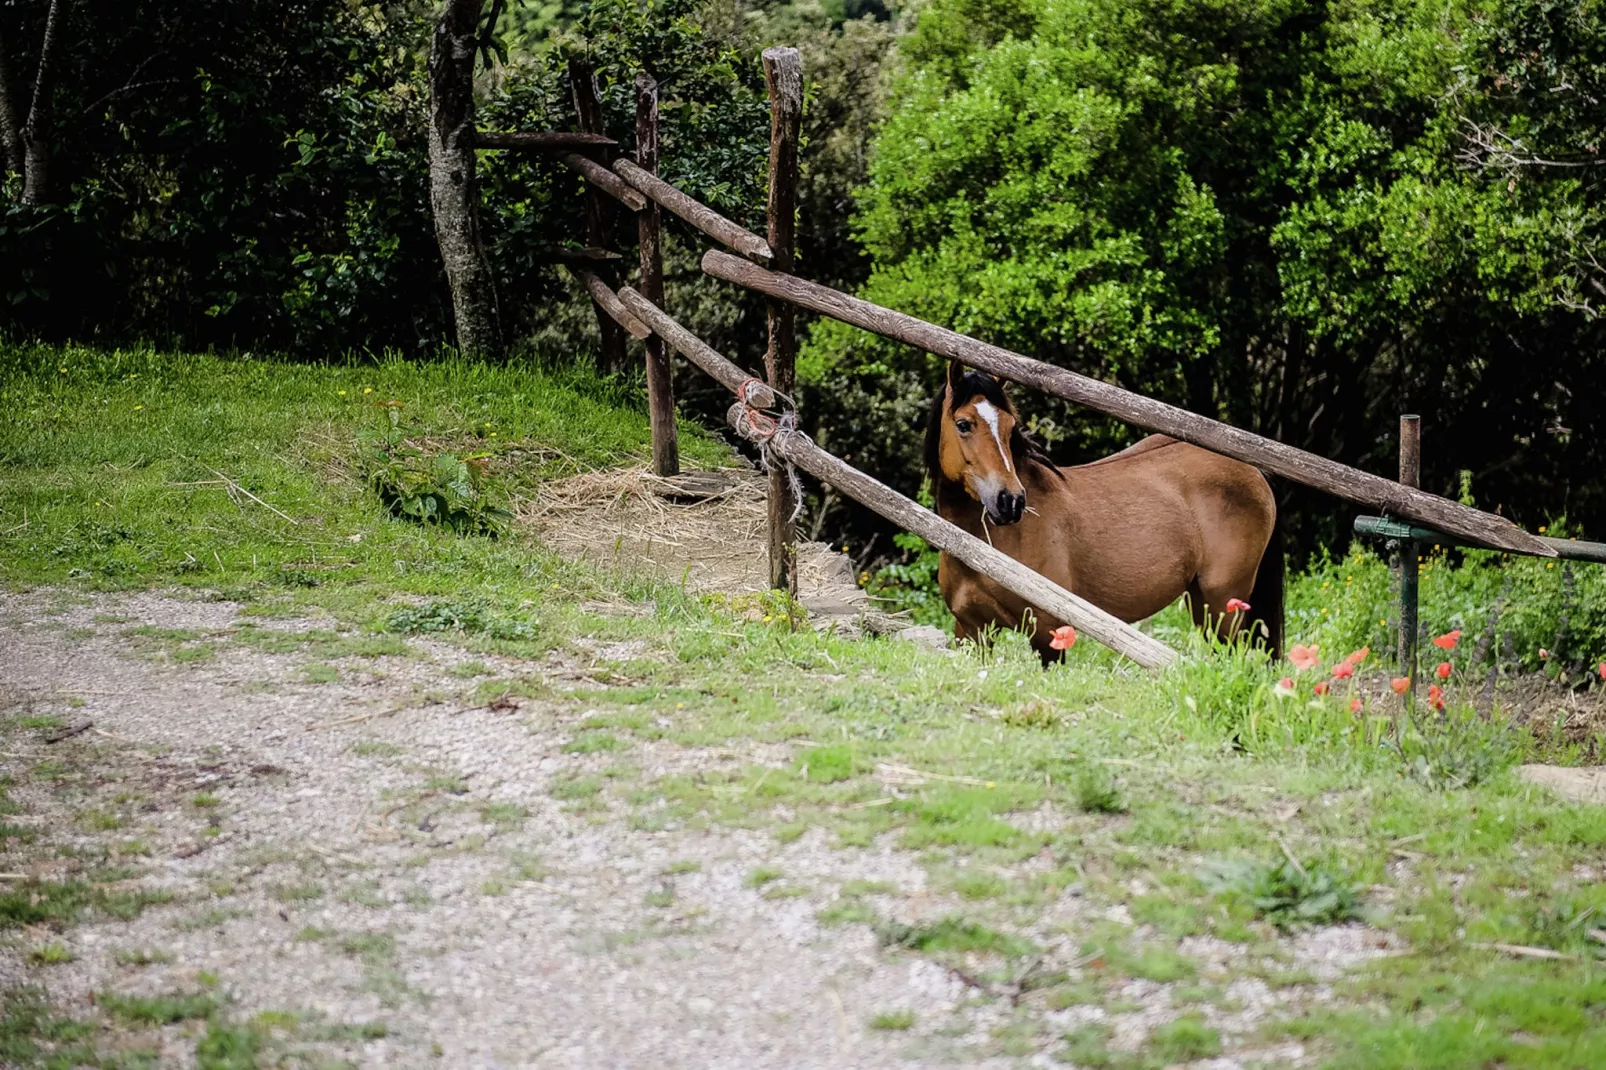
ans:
x=1008 y=509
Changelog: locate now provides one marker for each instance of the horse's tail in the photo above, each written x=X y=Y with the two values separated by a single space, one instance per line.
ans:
x=1266 y=603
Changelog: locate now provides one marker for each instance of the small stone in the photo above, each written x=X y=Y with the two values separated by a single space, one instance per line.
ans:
x=925 y=635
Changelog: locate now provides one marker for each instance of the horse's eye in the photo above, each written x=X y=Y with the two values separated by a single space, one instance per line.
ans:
x=963 y=426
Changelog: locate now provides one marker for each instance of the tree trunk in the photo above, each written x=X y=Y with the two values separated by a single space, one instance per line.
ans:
x=36 y=131
x=10 y=137
x=454 y=193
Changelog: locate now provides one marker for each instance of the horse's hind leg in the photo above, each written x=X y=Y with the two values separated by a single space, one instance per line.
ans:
x=1212 y=590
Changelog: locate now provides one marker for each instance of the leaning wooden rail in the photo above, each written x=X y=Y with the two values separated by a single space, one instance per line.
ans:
x=610 y=304
x=798 y=449
x=604 y=180
x=698 y=215
x=1337 y=479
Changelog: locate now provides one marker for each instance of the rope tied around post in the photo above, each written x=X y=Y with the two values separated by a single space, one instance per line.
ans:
x=759 y=427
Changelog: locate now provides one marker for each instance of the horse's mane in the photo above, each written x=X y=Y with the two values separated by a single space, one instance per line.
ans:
x=976 y=384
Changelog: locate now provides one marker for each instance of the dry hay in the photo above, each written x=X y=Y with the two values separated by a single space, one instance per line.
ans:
x=621 y=519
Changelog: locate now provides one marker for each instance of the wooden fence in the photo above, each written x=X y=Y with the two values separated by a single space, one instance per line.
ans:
x=765 y=266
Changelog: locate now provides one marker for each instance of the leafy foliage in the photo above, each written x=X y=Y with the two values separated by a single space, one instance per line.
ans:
x=431 y=487
x=1518 y=614
x=262 y=183
x=458 y=615
x=1457 y=749
x=910 y=585
x=1286 y=893
x=265 y=184
x=1260 y=210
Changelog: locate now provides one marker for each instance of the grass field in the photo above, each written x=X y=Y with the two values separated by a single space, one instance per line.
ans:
x=1201 y=801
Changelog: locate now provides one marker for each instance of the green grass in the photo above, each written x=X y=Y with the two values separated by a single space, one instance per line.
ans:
x=115 y=456
x=1026 y=785
x=158 y=1010
x=893 y=1021
x=50 y=955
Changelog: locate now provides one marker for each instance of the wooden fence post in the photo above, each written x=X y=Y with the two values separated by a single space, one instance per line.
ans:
x=783 y=74
x=611 y=358
x=660 y=383
x=1410 y=554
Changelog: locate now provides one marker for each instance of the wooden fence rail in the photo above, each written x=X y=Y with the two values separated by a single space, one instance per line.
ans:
x=692 y=211
x=542 y=140
x=1298 y=465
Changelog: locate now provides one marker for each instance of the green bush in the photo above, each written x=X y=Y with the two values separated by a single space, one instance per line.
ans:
x=1508 y=609
x=1287 y=893
x=431 y=487
x=464 y=616
x=1268 y=212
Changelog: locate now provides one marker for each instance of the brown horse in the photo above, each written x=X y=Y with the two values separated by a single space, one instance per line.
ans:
x=1130 y=533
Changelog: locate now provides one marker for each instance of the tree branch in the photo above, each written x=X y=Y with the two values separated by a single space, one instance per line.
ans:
x=1490 y=148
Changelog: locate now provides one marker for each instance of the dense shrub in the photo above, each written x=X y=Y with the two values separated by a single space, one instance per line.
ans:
x=1271 y=211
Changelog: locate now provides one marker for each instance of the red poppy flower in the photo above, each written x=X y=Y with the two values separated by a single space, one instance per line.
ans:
x=1442 y=670
x=1355 y=705
x=1064 y=637
x=1343 y=670
x=1321 y=688
x=1358 y=656
x=1285 y=687
x=1237 y=605
x=1303 y=657
x=1436 y=697
x=1400 y=684
x=1448 y=640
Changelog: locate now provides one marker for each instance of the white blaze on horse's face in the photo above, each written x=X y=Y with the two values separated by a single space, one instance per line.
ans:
x=989 y=416
x=981 y=432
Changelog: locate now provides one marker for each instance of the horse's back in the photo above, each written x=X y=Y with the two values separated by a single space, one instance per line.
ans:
x=1167 y=511
x=1201 y=476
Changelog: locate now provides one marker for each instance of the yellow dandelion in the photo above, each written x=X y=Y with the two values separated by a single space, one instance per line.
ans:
x=342 y=393
x=138 y=407
x=1541 y=529
x=367 y=390
x=62 y=370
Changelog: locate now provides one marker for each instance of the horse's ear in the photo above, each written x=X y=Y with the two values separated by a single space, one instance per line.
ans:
x=956 y=374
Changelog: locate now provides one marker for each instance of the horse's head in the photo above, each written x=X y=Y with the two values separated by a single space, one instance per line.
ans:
x=972 y=442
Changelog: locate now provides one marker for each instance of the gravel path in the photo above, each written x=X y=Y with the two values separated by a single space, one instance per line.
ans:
x=370 y=850
x=339 y=841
